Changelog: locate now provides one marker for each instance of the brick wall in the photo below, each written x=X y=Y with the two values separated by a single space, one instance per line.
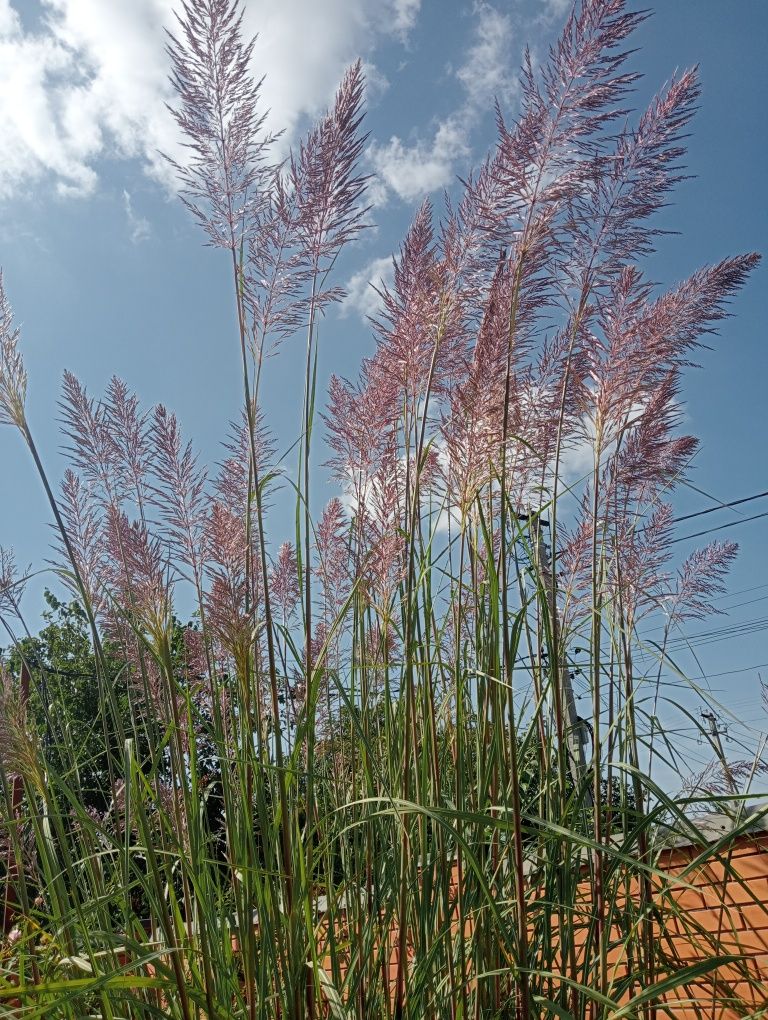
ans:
x=714 y=908
x=726 y=912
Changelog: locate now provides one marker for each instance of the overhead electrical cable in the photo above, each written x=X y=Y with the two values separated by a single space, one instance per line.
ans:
x=713 y=509
x=722 y=506
x=722 y=527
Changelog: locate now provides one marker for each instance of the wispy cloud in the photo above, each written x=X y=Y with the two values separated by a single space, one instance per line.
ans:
x=139 y=228
x=554 y=10
x=405 y=14
x=9 y=19
x=87 y=80
x=362 y=287
x=489 y=69
x=412 y=170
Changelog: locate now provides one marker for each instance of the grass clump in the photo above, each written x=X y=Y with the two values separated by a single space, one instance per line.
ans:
x=358 y=783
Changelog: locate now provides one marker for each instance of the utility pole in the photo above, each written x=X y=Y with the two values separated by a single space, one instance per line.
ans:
x=716 y=731
x=575 y=729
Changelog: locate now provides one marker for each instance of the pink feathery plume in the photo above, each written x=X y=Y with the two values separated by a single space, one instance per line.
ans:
x=92 y=447
x=626 y=185
x=700 y=579
x=333 y=555
x=309 y=216
x=284 y=581
x=615 y=354
x=319 y=640
x=429 y=472
x=641 y=340
x=226 y=175
x=231 y=483
x=522 y=196
x=178 y=491
x=277 y=274
x=574 y=565
x=148 y=688
x=536 y=170
x=12 y=583
x=420 y=344
x=377 y=486
x=13 y=729
x=461 y=241
x=651 y=456
x=638 y=570
x=676 y=322
x=583 y=81
x=492 y=347
x=472 y=425
x=137 y=608
x=195 y=658
x=468 y=257
x=233 y=596
x=635 y=575
x=651 y=461
x=546 y=410
x=136 y=569
x=82 y=517
x=635 y=552
x=417 y=330
x=128 y=426
x=324 y=179
x=472 y=445
x=13 y=375
x=724 y=778
x=383 y=566
x=630 y=391
x=360 y=419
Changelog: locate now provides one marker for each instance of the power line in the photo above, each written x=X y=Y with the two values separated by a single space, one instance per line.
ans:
x=738 y=605
x=722 y=527
x=720 y=612
x=702 y=492
x=727 y=628
x=721 y=506
x=701 y=638
x=713 y=509
x=741 y=591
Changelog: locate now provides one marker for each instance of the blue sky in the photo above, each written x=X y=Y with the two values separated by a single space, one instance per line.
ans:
x=108 y=275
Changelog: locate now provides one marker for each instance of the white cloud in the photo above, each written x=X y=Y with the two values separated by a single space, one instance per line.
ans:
x=376 y=82
x=89 y=80
x=361 y=295
x=138 y=226
x=405 y=14
x=488 y=70
x=414 y=170
x=9 y=19
x=554 y=10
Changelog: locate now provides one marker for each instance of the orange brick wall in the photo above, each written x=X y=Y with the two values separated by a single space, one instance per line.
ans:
x=726 y=912
x=722 y=910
